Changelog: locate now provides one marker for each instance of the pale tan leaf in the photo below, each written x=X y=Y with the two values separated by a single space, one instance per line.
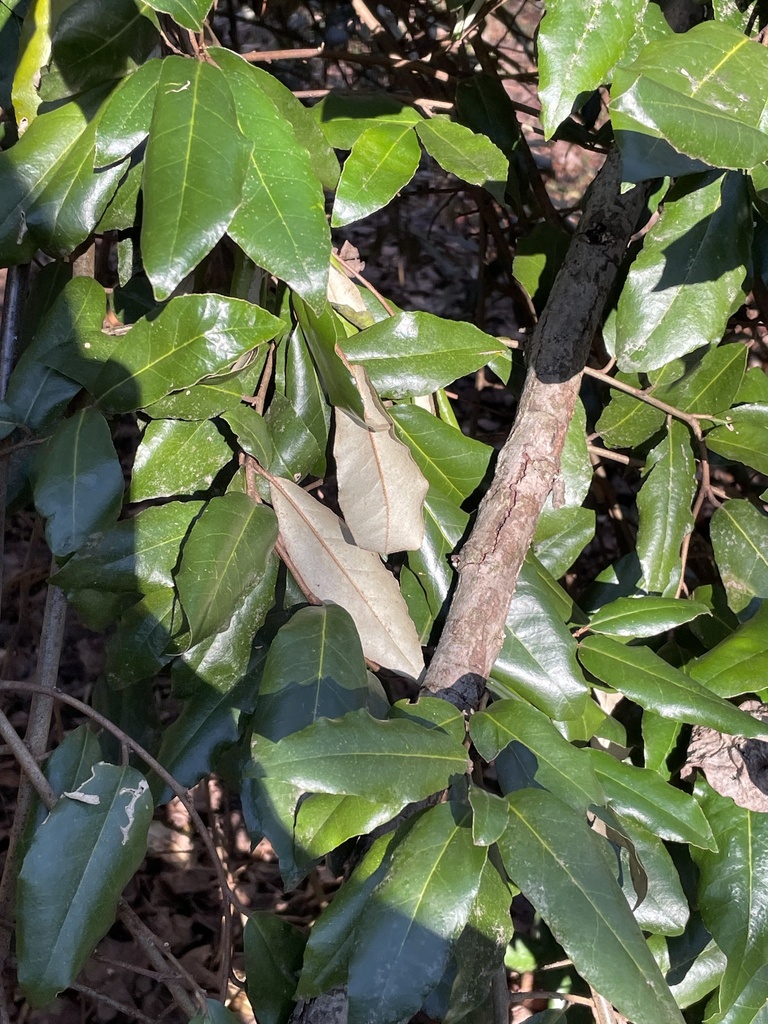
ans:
x=334 y=568
x=381 y=489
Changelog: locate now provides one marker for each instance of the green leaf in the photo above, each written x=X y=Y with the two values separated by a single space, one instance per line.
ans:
x=538 y=257
x=26 y=168
x=735 y=665
x=273 y=952
x=138 y=648
x=343 y=117
x=78 y=863
x=453 y=463
x=404 y=939
x=538 y=656
x=383 y=160
x=690 y=270
x=280 y=222
x=187 y=13
x=739 y=534
x=644 y=616
x=35 y=391
x=225 y=555
x=134 y=555
x=432 y=712
x=642 y=796
x=556 y=764
x=663 y=908
x=94 y=44
x=691 y=962
x=642 y=676
x=412 y=354
x=711 y=384
x=175 y=457
x=126 y=115
x=209 y=399
x=685 y=95
x=490 y=815
x=325 y=334
x=743 y=439
x=358 y=755
x=252 y=433
x=186 y=212
x=34 y=52
x=564 y=869
x=561 y=535
x=626 y=421
x=213 y=680
x=192 y=337
x=664 y=509
x=660 y=737
x=332 y=938
x=460 y=151
x=578 y=45
x=427 y=579
x=733 y=888
x=315 y=668
x=78 y=485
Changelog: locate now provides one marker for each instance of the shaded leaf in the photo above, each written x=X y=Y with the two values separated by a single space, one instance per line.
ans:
x=78 y=484
x=273 y=951
x=335 y=569
x=416 y=913
x=225 y=555
x=194 y=129
x=78 y=863
x=642 y=676
x=343 y=117
x=564 y=870
x=490 y=815
x=661 y=907
x=692 y=963
x=187 y=13
x=690 y=269
x=138 y=648
x=383 y=160
x=743 y=439
x=127 y=115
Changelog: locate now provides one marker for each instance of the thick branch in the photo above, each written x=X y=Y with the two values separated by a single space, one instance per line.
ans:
x=490 y=561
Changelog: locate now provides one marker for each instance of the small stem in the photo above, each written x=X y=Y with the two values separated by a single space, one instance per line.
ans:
x=27 y=762
x=100 y=997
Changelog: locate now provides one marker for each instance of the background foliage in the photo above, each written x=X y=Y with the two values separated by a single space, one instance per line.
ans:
x=252 y=479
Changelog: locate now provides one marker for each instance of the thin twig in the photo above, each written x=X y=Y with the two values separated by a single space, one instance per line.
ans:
x=524 y=997
x=27 y=762
x=100 y=997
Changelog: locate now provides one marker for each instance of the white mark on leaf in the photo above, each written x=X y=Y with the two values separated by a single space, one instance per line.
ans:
x=130 y=809
x=84 y=798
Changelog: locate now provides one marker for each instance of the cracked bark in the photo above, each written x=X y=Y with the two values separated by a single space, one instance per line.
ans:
x=490 y=560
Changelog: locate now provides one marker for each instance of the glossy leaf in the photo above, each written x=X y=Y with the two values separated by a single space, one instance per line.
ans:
x=78 y=863
x=561 y=535
x=564 y=870
x=733 y=888
x=35 y=391
x=453 y=463
x=34 y=52
x=490 y=816
x=187 y=13
x=381 y=488
x=138 y=648
x=413 y=354
x=273 y=952
x=549 y=759
x=647 y=616
x=626 y=421
x=314 y=668
x=432 y=713
x=135 y=554
x=642 y=796
x=578 y=47
x=642 y=676
x=193 y=337
x=78 y=485
x=358 y=755
x=743 y=439
x=94 y=44
x=280 y=222
x=343 y=117
x=417 y=911
x=252 y=433
x=664 y=509
x=692 y=963
x=663 y=908
x=194 y=130
x=335 y=569
x=712 y=384
x=468 y=155
x=324 y=335
x=210 y=398
x=225 y=555
x=332 y=938
x=738 y=662
x=660 y=737
x=175 y=458
x=127 y=115
x=212 y=678
x=690 y=270
x=685 y=95
x=383 y=160
x=739 y=535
